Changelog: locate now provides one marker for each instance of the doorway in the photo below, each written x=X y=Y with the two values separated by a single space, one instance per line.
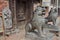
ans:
x=20 y=10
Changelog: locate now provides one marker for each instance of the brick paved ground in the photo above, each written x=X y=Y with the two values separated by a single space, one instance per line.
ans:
x=18 y=36
x=21 y=35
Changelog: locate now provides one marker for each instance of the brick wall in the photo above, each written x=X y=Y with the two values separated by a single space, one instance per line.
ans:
x=2 y=5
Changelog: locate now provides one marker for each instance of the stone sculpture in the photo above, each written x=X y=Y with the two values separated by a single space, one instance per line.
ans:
x=39 y=27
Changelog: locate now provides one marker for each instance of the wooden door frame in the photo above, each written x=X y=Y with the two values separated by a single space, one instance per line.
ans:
x=12 y=6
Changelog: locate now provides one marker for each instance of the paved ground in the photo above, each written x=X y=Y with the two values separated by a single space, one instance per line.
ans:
x=21 y=35
x=18 y=36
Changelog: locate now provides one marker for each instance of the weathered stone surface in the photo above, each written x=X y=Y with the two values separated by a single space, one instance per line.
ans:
x=38 y=22
x=32 y=36
x=53 y=15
